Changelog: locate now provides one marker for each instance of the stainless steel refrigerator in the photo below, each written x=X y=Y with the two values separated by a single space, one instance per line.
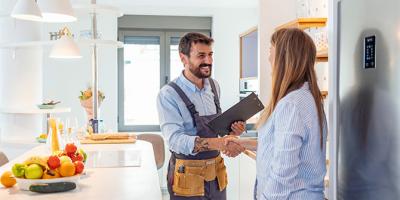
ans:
x=365 y=108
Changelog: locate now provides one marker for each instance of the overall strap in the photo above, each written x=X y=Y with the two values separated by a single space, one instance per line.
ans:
x=189 y=105
x=216 y=99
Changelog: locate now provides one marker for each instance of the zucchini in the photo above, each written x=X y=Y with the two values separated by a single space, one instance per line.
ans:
x=52 y=187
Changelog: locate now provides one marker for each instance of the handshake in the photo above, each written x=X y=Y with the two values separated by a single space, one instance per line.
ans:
x=231 y=145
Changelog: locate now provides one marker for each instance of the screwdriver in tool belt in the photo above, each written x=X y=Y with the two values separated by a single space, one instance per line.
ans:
x=181 y=169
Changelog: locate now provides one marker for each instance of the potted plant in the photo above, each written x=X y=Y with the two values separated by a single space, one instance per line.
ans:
x=86 y=99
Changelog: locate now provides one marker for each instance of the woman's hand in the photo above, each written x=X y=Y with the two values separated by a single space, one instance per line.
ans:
x=247 y=144
x=238 y=128
x=232 y=147
x=231 y=139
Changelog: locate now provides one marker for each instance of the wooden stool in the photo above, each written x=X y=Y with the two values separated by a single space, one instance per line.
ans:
x=158 y=147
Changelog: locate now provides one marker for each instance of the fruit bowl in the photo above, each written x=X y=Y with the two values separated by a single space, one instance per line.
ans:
x=24 y=184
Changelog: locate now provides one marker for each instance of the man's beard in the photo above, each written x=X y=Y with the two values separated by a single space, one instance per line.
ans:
x=197 y=71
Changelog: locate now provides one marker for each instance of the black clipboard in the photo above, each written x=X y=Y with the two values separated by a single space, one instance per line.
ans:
x=242 y=111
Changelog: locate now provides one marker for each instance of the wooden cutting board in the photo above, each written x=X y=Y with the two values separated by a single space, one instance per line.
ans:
x=108 y=141
x=110 y=136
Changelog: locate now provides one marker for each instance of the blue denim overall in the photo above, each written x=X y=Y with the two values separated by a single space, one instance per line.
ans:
x=211 y=188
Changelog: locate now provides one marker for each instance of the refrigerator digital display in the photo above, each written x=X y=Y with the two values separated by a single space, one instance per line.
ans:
x=369 y=52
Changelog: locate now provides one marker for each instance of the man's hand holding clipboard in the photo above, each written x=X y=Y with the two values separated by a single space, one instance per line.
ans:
x=242 y=111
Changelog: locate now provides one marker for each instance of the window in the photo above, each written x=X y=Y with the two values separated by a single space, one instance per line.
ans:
x=174 y=60
x=148 y=61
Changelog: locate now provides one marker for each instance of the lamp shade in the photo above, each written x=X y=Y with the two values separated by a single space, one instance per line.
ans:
x=26 y=10
x=56 y=10
x=65 y=47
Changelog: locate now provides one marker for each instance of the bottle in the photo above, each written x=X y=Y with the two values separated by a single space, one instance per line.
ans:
x=54 y=137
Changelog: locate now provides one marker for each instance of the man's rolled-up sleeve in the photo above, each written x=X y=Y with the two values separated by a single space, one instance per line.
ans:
x=171 y=125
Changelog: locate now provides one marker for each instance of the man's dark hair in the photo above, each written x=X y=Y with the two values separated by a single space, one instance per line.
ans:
x=193 y=38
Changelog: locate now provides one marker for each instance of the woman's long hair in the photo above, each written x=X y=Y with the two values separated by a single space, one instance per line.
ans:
x=292 y=66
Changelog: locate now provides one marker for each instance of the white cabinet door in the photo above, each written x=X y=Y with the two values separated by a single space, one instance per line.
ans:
x=247 y=177
x=232 y=166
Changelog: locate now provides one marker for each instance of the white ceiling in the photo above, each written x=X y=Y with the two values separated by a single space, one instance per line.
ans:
x=181 y=3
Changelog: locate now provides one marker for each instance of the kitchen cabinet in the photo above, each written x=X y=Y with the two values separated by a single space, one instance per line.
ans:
x=241 y=177
x=232 y=166
x=247 y=177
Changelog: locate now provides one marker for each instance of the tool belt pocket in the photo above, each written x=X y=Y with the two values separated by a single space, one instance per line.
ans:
x=222 y=176
x=188 y=183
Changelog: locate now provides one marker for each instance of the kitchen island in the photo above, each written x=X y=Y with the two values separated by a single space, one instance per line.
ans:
x=117 y=182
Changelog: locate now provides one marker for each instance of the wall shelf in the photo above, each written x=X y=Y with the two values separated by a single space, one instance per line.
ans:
x=305 y=23
x=98 y=9
x=99 y=42
x=24 y=44
x=324 y=94
x=322 y=56
x=34 y=110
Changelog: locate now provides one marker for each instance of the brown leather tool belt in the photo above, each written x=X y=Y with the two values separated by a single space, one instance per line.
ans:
x=190 y=176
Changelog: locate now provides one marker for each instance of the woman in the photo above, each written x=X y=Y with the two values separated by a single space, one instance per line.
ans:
x=292 y=128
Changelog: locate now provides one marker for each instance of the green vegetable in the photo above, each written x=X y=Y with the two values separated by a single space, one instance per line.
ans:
x=19 y=170
x=52 y=187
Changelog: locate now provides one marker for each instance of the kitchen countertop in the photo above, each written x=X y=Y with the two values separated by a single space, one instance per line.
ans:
x=101 y=183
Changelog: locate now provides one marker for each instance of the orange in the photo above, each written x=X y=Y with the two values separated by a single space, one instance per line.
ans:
x=67 y=169
x=7 y=179
x=49 y=174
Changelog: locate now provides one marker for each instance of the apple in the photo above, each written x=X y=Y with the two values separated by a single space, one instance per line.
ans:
x=76 y=157
x=53 y=162
x=79 y=167
x=73 y=157
x=18 y=170
x=34 y=171
x=64 y=159
x=70 y=148
x=79 y=157
x=83 y=154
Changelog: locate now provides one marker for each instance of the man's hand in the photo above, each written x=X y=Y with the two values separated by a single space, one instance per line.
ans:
x=228 y=146
x=238 y=128
x=232 y=148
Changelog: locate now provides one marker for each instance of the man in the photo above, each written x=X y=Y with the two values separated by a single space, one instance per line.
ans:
x=196 y=170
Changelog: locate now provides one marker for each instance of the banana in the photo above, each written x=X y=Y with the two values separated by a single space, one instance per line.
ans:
x=40 y=160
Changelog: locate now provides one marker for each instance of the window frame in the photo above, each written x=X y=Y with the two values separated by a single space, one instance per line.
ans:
x=165 y=67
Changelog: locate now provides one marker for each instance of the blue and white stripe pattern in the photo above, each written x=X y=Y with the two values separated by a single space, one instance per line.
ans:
x=290 y=161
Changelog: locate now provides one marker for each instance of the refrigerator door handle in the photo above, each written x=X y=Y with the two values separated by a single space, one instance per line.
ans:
x=334 y=63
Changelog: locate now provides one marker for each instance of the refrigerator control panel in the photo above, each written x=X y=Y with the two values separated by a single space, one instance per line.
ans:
x=369 y=52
